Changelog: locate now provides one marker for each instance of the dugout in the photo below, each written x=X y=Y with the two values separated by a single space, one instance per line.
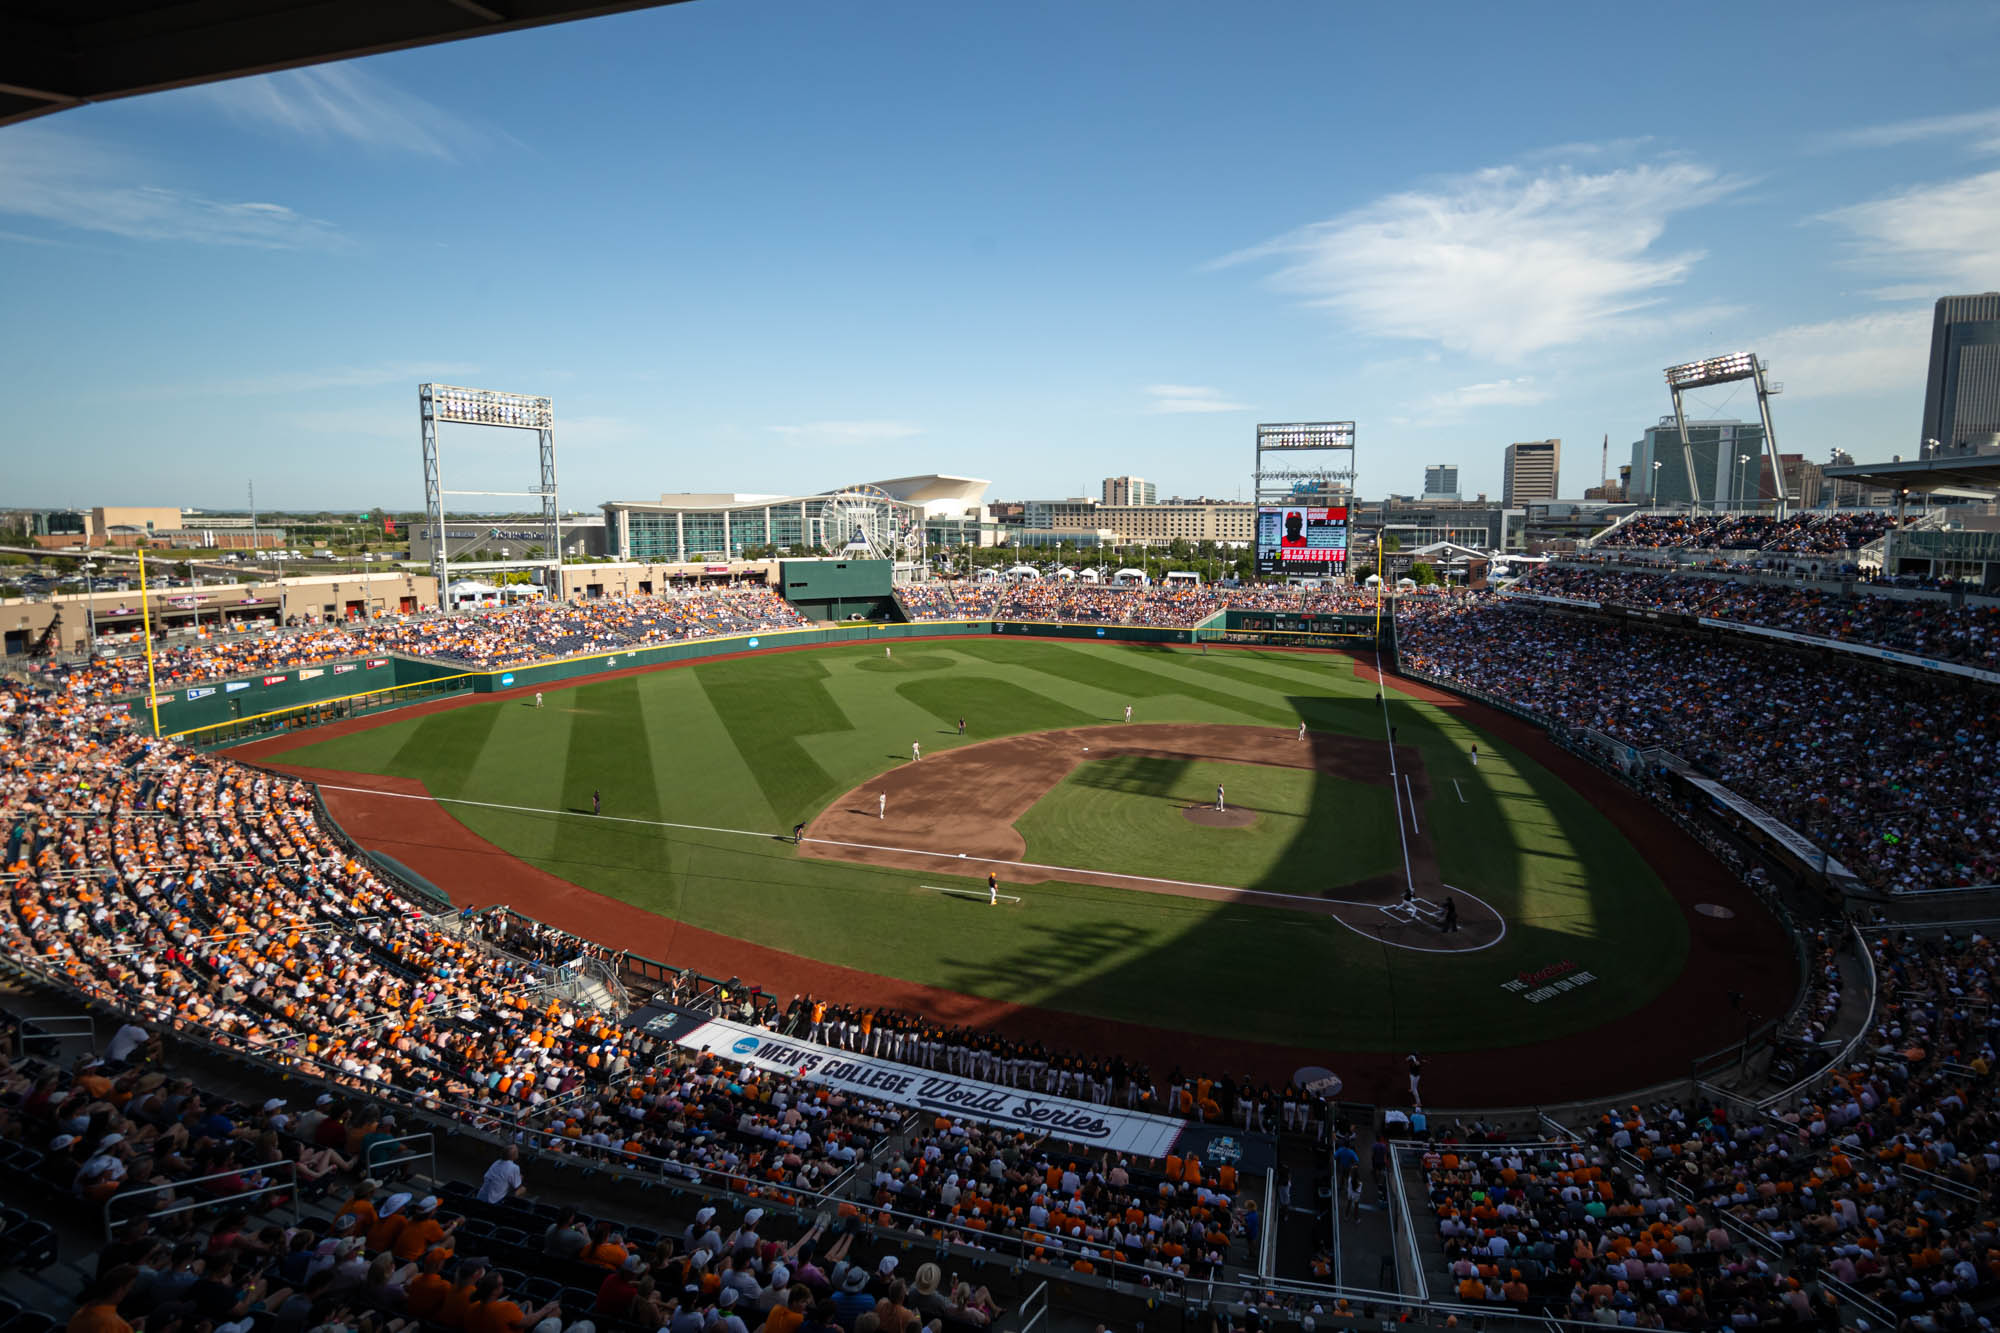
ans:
x=837 y=589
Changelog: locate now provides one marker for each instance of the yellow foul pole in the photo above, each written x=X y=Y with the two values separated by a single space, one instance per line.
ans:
x=146 y=626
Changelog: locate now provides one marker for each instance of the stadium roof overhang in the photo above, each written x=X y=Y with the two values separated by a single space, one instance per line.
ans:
x=1975 y=476
x=57 y=54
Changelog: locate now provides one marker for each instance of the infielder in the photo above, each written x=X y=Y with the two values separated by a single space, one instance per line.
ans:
x=992 y=888
x=1302 y=731
x=916 y=752
x=882 y=806
x=1218 y=797
x=1128 y=712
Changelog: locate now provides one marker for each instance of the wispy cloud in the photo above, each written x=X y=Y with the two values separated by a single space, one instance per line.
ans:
x=1865 y=354
x=1522 y=392
x=1190 y=398
x=848 y=432
x=1947 y=233
x=61 y=178
x=1501 y=263
x=1982 y=127
x=345 y=104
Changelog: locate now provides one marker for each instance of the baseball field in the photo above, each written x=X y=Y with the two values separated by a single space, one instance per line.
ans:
x=1128 y=899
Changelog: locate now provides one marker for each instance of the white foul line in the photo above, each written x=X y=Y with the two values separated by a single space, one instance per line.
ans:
x=1414 y=825
x=1460 y=790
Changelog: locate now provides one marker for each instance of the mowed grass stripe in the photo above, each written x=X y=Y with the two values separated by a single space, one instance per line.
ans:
x=1126 y=682
x=765 y=712
x=697 y=768
x=987 y=702
x=608 y=754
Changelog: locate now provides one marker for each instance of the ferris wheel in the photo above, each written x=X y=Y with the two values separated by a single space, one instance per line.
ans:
x=868 y=521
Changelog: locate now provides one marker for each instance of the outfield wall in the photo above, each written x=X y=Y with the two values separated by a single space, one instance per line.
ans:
x=281 y=690
x=218 y=715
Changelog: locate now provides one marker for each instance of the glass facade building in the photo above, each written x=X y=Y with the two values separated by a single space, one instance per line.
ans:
x=685 y=528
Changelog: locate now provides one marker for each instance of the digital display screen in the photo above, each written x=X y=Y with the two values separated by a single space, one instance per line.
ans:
x=1301 y=540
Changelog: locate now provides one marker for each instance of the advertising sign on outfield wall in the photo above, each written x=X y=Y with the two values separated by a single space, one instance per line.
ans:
x=1063 y=1118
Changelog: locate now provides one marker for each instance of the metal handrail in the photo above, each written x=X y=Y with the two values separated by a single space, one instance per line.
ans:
x=1409 y=1226
x=88 y=1032
x=1031 y=1318
x=429 y=1153
x=226 y=1200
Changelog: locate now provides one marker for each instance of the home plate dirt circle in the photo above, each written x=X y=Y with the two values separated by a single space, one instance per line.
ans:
x=1209 y=817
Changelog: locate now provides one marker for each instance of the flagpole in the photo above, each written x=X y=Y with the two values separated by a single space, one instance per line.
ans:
x=146 y=625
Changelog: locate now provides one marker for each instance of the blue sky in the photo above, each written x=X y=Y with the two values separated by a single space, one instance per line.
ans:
x=790 y=244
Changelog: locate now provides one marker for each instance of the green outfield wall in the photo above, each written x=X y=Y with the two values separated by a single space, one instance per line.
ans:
x=279 y=690
x=830 y=590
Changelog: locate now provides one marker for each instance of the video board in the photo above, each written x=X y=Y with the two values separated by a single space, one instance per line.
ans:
x=1297 y=539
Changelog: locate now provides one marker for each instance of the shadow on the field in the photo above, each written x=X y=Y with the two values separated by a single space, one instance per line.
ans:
x=1132 y=774
x=1042 y=970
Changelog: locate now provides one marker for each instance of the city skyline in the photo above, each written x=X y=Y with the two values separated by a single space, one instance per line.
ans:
x=789 y=246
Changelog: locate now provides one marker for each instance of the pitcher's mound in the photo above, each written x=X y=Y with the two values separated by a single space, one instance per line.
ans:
x=1209 y=817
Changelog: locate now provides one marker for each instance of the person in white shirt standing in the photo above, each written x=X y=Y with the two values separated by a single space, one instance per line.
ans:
x=503 y=1178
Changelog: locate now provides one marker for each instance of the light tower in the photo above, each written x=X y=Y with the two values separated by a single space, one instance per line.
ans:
x=488 y=407
x=1726 y=370
x=1300 y=442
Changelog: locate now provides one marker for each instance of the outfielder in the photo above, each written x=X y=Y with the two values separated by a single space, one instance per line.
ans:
x=992 y=888
x=538 y=698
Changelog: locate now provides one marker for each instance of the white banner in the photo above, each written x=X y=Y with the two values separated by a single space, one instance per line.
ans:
x=1785 y=835
x=1859 y=649
x=1065 y=1118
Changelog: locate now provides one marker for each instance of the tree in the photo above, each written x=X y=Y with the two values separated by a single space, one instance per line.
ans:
x=1423 y=574
x=1390 y=543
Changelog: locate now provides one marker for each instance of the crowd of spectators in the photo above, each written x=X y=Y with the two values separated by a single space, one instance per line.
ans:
x=1923 y=626
x=1879 y=1174
x=1167 y=1218
x=499 y=636
x=1814 y=532
x=1895 y=776
x=1095 y=604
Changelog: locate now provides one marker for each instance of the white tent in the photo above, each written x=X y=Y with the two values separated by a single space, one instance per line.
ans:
x=1024 y=573
x=1131 y=576
x=471 y=592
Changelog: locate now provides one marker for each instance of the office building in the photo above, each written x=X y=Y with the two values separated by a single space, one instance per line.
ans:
x=1962 y=397
x=1129 y=491
x=1730 y=470
x=1148 y=524
x=1533 y=468
x=1441 y=481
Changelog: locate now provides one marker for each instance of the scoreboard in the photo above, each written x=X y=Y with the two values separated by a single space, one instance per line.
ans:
x=1296 y=539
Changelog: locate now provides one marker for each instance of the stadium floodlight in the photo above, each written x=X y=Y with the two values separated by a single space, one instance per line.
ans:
x=1725 y=369
x=488 y=407
x=1331 y=482
x=1714 y=370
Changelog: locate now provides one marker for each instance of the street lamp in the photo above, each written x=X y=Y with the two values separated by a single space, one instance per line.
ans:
x=89 y=568
x=1741 y=460
x=1656 y=483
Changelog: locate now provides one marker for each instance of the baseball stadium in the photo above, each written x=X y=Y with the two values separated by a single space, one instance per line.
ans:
x=750 y=914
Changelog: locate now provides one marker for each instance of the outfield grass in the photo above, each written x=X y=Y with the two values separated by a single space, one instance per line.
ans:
x=763 y=742
x=1124 y=813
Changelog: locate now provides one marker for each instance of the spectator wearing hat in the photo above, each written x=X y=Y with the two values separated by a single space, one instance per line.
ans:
x=620 y=1286
x=852 y=1300
x=425 y=1232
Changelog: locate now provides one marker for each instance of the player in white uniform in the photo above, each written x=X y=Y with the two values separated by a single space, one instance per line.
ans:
x=916 y=752
x=1475 y=754
x=882 y=806
x=538 y=698
x=1128 y=712
x=1302 y=731
x=1218 y=797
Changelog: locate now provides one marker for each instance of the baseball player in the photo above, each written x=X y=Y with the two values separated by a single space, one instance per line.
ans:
x=596 y=802
x=1302 y=731
x=1128 y=712
x=886 y=651
x=882 y=805
x=1475 y=754
x=992 y=888
x=961 y=726
x=916 y=752
x=1218 y=797
x=798 y=833
x=538 y=698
